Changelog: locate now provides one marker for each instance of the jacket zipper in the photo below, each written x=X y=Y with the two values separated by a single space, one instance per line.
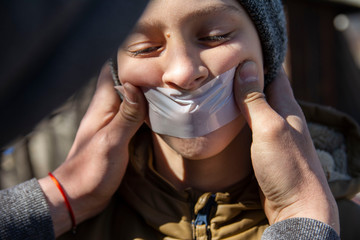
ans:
x=203 y=218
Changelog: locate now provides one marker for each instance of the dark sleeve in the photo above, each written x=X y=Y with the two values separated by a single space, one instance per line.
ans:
x=300 y=228
x=24 y=213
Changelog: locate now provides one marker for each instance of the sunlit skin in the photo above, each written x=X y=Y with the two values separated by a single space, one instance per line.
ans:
x=182 y=44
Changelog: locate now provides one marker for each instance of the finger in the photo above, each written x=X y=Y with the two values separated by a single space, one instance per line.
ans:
x=280 y=95
x=281 y=98
x=104 y=104
x=250 y=98
x=130 y=116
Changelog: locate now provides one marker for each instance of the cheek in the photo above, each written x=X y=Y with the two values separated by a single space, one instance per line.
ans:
x=144 y=74
x=249 y=49
x=223 y=58
x=219 y=60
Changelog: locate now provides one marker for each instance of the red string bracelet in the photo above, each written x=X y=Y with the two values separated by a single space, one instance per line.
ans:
x=67 y=203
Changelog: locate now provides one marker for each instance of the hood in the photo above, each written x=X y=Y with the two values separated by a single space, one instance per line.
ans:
x=336 y=137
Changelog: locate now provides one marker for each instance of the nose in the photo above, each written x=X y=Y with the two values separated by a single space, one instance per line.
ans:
x=184 y=69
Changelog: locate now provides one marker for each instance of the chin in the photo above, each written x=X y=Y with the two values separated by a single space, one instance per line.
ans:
x=207 y=146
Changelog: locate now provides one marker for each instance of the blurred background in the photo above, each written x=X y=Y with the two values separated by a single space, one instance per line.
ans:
x=323 y=64
x=324 y=52
x=323 y=60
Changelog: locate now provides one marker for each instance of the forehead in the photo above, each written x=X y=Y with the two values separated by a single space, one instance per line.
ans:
x=162 y=11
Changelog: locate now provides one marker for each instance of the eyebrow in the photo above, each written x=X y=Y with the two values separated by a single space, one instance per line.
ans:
x=221 y=8
x=207 y=11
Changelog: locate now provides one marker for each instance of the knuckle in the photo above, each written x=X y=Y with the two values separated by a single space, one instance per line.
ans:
x=253 y=97
x=131 y=114
x=275 y=128
x=103 y=140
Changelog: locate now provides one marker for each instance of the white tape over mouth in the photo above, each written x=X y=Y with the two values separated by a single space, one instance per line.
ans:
x=196 y=113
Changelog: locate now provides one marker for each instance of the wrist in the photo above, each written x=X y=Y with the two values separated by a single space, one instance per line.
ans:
x=320 y=208
x=58 y=211
x=66 y=201
x=81 y=205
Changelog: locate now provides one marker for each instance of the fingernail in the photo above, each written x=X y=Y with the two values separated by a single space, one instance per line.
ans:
x=130 y=95
x=248 y=72
x=124 y=94
x=120 y=90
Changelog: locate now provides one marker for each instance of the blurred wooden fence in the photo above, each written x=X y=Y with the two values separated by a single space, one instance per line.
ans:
x=322 y=67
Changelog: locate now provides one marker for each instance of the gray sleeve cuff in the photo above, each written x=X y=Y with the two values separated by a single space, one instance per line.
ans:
x=300 y=228
x=24 y=213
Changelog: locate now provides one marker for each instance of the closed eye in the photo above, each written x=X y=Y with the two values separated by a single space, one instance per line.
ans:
x=145 y=51
x=216 y=38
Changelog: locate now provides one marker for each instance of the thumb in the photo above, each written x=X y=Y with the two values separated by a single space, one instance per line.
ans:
x=249 y=95
x=132 y=110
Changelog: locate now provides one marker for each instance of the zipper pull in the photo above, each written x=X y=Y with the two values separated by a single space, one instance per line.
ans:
x=201 y=224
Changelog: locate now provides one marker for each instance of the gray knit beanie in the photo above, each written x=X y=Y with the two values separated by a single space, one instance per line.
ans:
x=269 y=19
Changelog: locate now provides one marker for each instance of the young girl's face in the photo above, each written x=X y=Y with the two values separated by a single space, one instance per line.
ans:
x=182 y=44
